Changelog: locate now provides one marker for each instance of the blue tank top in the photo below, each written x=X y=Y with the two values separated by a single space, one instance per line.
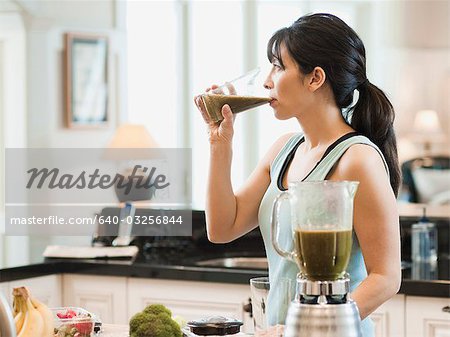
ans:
x=280 y=267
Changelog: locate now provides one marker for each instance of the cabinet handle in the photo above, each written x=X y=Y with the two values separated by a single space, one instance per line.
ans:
x=446 y=309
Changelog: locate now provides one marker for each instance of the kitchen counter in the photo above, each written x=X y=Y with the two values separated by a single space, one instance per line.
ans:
x=113 y=330
x=432 y=281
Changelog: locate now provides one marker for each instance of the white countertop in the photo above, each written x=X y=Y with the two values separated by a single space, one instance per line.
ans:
x=113 y=330
x=416 y=210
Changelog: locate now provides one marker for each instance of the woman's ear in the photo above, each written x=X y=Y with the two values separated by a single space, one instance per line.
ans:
x=317 y=78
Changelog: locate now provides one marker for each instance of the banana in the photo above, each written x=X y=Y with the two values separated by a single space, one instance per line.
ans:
x=19 y=317
x=33 y=325
x=47 y=317
x=16 y=305
x=33 y=322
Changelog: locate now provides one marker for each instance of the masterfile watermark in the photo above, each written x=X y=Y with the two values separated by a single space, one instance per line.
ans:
x=140 y=177
x=66 y=191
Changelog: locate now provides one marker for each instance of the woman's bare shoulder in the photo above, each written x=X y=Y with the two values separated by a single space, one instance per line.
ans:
x=361 y=160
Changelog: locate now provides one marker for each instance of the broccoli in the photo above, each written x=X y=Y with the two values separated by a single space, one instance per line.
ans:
x=157 y=309
x=137 y=320
x=154 y=321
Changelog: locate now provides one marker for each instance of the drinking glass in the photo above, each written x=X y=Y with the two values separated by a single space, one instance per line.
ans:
x=269 y=306
x=241 y=94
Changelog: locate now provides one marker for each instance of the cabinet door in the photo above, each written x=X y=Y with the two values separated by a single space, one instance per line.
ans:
x=389 y=318
x=4 y=288
x=46 y=289
x=191 y=300
x=427 y=317
x=104 y=296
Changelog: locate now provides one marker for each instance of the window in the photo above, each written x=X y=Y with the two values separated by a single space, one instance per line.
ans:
x=152 y=76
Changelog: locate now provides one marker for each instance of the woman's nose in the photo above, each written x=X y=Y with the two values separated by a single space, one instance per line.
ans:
x=268 y=84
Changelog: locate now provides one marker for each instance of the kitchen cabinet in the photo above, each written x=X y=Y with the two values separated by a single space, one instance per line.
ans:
x=47 y=289
x=427 y=317
x=190 y=299
x=4 y=288
x=106 y=296
x=389 y=318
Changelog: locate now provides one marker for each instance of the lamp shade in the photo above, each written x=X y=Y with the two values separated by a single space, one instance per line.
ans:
x=426 y=122
x=132 y=142
x=132 y=136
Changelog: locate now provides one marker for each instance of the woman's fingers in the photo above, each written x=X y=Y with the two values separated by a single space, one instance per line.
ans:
x=226 y=110
x=227 y=114
x=228 y=117
x=231 y=88
x=201 y=107
x=212 y=87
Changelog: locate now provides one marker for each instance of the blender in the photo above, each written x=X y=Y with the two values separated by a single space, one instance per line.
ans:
x=322 y=221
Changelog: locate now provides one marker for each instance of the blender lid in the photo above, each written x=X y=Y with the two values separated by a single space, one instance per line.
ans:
x=215 y=325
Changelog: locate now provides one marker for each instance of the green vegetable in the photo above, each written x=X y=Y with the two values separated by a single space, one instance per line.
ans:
x=157 y=309
x=154 y=321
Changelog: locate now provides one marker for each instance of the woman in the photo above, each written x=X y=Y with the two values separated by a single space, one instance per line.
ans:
x=317 y=64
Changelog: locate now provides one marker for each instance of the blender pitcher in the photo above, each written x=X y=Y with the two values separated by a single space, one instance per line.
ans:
x=322 y=221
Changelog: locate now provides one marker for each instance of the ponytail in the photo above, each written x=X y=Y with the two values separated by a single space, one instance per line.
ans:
x=373 y=116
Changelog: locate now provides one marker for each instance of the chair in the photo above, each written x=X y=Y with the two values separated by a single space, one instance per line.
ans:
x=427 y=179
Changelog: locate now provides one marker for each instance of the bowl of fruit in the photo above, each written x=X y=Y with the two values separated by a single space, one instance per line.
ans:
x=73 y=322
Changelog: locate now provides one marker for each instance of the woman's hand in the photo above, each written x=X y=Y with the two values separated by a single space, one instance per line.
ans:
x=221 y=131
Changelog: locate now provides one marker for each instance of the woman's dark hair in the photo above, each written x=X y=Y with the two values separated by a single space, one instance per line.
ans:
x=326 y=41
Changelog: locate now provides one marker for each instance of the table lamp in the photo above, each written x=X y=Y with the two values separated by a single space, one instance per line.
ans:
x=129 y=145
x=427 y=130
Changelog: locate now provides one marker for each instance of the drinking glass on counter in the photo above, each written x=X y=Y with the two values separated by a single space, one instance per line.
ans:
x=263 y=317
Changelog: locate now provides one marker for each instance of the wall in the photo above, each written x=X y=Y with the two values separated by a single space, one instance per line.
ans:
x=414 y=64
x=46 y=22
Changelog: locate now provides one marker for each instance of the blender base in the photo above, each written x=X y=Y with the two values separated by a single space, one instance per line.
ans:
x=323 y=320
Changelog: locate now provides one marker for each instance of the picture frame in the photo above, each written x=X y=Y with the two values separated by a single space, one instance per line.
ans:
x=86 y=80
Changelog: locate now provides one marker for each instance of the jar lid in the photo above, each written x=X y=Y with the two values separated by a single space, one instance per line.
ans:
x=215 y=325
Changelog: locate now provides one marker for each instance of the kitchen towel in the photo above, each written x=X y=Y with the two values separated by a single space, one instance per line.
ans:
x=87 y=252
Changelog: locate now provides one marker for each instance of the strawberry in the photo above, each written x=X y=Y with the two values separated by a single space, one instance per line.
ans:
x=84 y=327
x=68 y=314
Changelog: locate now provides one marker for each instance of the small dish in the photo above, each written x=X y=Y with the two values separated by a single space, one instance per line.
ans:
x=215 y=326
x=73 y=322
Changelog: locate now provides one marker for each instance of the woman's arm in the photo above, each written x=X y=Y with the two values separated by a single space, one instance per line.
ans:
x=376 y=224
x=230 y=215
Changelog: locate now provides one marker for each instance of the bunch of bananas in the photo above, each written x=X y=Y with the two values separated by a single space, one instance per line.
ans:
x=32 y=318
